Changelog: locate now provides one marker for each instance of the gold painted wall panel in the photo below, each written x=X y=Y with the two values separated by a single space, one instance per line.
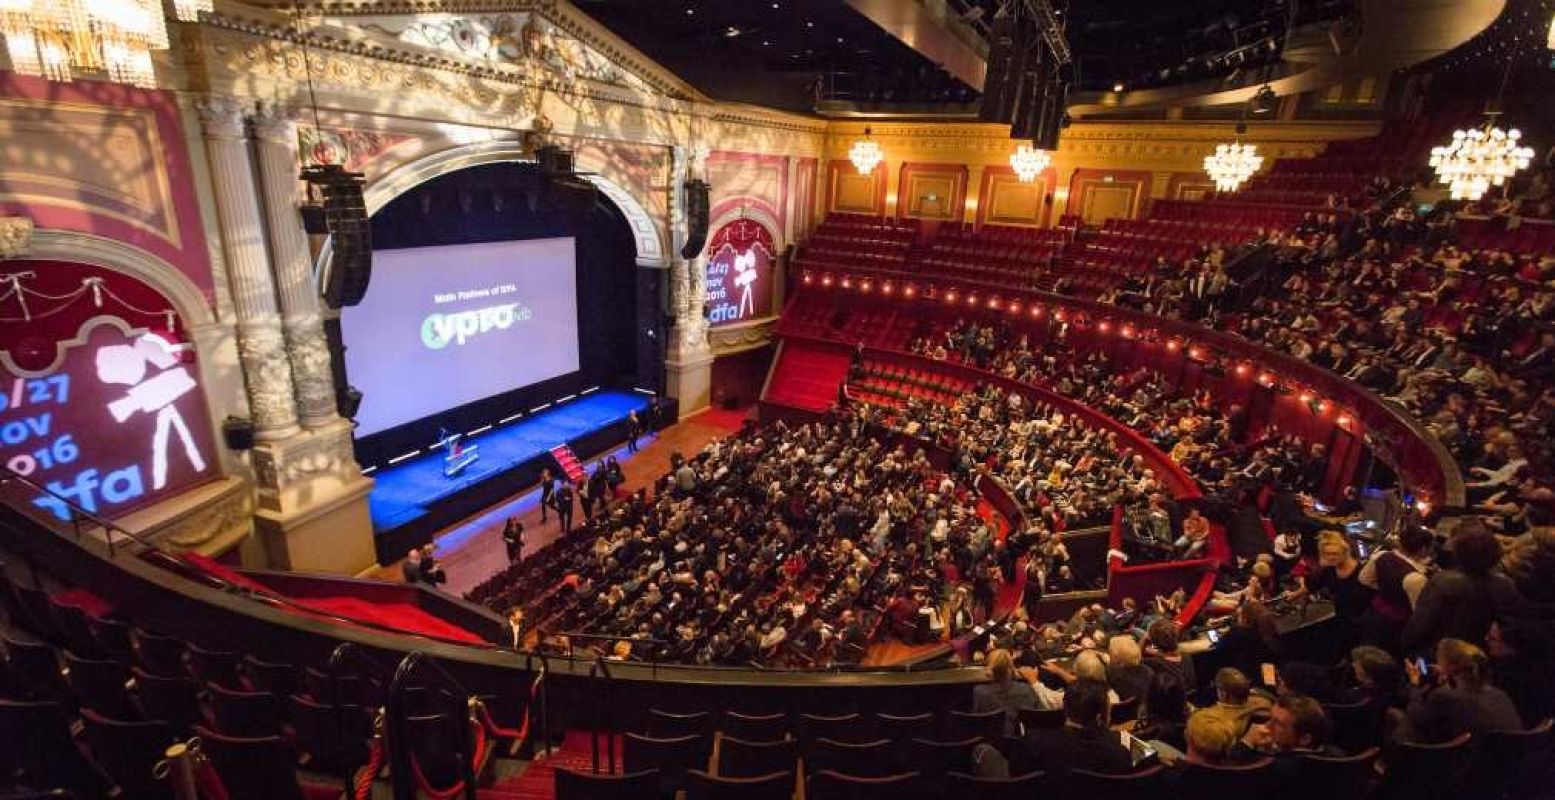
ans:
x=1011 y=202
x=1105 y=202
x=853 y=193
x=930 y=197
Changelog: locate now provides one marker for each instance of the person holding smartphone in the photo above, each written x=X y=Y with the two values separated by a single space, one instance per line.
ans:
x=1453 y=697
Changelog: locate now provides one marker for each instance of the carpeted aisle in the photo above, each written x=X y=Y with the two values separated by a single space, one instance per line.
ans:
x=539 y=781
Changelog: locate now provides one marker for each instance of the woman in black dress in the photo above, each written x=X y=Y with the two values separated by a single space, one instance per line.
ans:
x=1339 y=576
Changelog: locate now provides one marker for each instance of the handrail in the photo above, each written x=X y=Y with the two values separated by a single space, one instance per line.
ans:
x=337 y=658
x=78 y=512
x=601 y=669
x=400 y=758
x=1372 y=410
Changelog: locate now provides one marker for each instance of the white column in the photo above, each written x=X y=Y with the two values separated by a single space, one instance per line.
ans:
x=261 y=345
x=306 y=346
x=689 y=360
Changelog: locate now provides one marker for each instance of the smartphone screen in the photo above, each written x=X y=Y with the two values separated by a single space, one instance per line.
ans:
x=1270 y=676
x=1425 y=669
x=1213 y=635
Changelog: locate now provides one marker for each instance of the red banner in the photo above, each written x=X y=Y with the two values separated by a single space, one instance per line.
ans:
x=739 y=273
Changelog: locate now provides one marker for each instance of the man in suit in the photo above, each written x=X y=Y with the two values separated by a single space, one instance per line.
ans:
x=431 y=572
x=1084 y=741
x=634 y=429
x=515 y=633
x=564 y=506
x=410 y=568
x=513 y=539
x=547 y=492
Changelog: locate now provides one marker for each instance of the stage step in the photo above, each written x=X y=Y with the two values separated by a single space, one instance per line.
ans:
x=569 y=463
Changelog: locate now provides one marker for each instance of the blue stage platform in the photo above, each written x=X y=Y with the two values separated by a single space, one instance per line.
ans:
x=412 y=499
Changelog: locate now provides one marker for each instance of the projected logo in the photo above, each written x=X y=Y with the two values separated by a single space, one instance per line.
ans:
x=119 y=423
x=739 y=270
x=440 y=330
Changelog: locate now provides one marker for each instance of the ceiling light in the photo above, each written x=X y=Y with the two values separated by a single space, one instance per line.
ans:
x=1231 y=164
x=1118 y=87
x=1028 y=162
x=809 y=24
x=865 y=154
x=775 y=6
x=731 y=32
x=690 y=11
x=765 y=43
x=1478 y=159
x=55 y=38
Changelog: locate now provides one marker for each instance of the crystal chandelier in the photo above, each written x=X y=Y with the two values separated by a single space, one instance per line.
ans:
x=1478 y=159
x=865 y=153
x=56 y=39
x=1028 y=162
x=1232 y=164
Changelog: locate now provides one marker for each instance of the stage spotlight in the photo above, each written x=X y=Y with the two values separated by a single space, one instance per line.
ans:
x=1264 y=101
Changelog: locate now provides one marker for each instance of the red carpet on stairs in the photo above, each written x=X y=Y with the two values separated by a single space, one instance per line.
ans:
x=539 y=781
x=807 y=376
x=568 y=463
x=394 y=616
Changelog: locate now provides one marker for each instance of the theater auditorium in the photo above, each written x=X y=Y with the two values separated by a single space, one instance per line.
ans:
x=777 y=399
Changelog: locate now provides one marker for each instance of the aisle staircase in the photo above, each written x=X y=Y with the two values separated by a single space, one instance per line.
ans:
x=569 y=463
x=806 y=375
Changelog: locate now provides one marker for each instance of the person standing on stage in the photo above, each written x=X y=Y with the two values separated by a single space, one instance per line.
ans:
x=513 y=539
x=564 y=506
x=634 y=429
x=547 y=492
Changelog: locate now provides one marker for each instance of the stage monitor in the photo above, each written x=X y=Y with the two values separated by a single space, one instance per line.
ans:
x=445 y=326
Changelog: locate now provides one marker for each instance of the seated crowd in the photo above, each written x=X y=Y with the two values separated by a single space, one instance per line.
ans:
x=778 y=546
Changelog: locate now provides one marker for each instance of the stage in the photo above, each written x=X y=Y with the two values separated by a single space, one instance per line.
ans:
x=412 y=500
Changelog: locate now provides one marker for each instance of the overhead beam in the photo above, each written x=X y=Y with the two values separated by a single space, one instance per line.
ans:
x=935 y=31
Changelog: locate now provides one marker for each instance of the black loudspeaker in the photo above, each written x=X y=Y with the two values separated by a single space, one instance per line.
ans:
x=1029 y=97
x=238 y=433
x=1050 y=118
x=698 y=206
x=343 y=215
x=664 y=412
x=561 y=183
x=347 y=398
x=1004 y=68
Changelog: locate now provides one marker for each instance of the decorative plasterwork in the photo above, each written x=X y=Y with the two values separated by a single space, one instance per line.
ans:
x=525 y=39
x=354 y=149
x=741 y=336
x=335 y=42
x=15 y=236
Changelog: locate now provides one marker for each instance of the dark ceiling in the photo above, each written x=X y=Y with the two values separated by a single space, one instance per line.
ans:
x=792 y=54
x=779 y=53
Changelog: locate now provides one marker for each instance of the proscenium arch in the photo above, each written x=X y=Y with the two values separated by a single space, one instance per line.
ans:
x=645 y=232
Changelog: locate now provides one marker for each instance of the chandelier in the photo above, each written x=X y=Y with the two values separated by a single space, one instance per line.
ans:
x=1028 y=162
x=56 y=39
x=1478 y=159
x=865 y=153
x=1231 y=164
